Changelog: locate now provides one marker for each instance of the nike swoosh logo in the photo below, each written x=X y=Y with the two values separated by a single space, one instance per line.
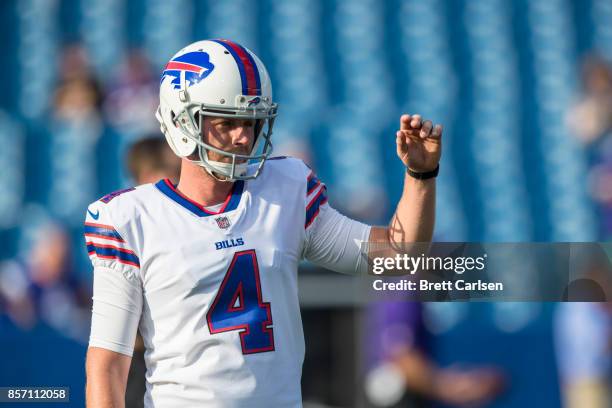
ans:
x=94 y=216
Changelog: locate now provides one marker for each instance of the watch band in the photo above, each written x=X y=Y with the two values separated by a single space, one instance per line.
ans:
x=423 y=175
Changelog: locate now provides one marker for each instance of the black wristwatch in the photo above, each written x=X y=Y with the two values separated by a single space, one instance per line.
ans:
x=423 y=175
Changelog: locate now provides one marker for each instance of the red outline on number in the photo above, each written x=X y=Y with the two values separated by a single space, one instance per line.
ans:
x=245 y=327
x=239 y=294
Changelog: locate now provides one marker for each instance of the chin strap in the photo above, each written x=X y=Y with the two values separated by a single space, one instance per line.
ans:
x=225 y=169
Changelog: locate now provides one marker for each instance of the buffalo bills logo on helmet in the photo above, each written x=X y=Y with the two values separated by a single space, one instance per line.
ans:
x=254 y=101
x=196 y=66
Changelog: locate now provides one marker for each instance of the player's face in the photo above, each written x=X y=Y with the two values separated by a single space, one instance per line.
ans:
x=229 y=135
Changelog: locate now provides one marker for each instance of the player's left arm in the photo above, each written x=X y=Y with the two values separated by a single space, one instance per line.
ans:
x=419 y=147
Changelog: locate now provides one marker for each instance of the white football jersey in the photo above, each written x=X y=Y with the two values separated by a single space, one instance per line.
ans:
x=215 y=294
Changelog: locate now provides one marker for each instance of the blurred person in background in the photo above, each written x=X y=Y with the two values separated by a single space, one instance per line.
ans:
x=78 y=95
x=583 y=332
x=402 y=372
x=584 y=353
x=132 y=98
x=148 y=160
x=591 y=117
x=590 y=120
x=74 y=63
x=77 y=100
x=73 y=131
x=42 y=286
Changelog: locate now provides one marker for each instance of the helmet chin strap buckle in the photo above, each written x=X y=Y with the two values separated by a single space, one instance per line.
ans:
x=224 y=171
x=216 y=176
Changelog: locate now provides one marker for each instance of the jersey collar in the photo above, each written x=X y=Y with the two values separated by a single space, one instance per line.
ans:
x=230 y=203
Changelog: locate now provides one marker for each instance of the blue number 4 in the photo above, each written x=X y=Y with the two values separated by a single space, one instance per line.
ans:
x=239 y=306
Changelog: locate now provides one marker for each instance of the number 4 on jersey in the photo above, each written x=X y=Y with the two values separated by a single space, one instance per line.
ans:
x=239 y=306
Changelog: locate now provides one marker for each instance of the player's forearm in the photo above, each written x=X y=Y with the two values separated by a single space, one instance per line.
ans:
x=104 y=390
x=414 y=217
x=106 y=382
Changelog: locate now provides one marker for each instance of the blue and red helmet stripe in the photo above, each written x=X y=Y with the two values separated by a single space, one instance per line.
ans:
x=249 y=74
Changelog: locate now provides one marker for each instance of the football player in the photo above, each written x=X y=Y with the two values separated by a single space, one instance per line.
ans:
x=151 y=159
x=207 y=268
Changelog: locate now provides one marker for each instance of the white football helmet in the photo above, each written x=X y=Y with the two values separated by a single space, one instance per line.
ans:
x=223 y=79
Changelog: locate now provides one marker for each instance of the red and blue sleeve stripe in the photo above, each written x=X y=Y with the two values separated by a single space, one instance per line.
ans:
x=312 y=210
x=121 y=255
x=249 y=74
x=102 y=231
